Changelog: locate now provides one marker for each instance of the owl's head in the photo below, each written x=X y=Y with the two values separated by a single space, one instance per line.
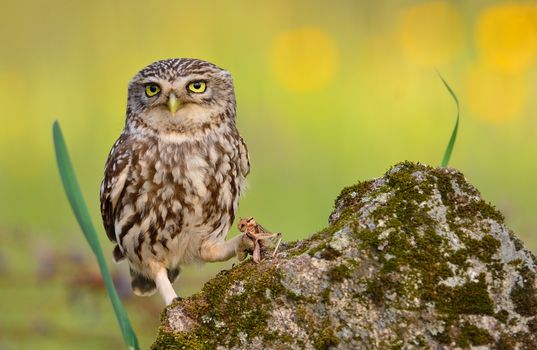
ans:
x=180 y=95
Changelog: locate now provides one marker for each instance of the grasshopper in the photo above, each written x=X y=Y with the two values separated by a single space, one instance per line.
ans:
x=258 y=233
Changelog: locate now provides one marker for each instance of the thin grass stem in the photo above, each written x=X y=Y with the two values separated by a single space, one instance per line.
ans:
x=76 y=200
x=453 y=138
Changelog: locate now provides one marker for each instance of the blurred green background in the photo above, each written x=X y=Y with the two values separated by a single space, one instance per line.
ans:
x=328 y=93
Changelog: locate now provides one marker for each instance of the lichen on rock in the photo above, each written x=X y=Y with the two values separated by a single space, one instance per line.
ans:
x=415 y=259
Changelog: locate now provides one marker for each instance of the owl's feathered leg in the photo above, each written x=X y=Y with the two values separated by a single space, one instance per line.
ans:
x=239 y=245
x=164 y=286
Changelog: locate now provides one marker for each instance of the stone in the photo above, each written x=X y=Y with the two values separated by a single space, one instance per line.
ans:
x=413 y=260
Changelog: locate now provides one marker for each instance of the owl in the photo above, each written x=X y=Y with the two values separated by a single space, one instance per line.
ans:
x=174 y=176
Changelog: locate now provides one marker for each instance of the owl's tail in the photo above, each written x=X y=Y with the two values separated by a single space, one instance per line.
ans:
x=145 y=286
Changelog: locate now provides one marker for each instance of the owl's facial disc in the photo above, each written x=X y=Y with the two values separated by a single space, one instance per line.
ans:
x=180 y=95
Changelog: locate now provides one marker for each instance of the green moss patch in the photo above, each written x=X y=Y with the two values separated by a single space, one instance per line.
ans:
x=471 y=298
x=223 y=317
x=524 y=296
x=339 y=273
x=473 y=335
x=326 y=339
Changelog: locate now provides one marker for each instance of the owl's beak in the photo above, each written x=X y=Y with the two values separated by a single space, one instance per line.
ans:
x=173 y=103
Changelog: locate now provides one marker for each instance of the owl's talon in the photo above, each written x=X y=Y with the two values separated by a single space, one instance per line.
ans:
x=259 y=236
x=246 y=246
x=241 y=255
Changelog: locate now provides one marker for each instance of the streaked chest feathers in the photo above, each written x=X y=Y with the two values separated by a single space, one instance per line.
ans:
x=187 y=189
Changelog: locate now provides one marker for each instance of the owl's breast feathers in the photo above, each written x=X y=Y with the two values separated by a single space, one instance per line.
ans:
x=155 y=190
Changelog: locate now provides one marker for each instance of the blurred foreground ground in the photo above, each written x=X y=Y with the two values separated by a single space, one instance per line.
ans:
x=57 y=300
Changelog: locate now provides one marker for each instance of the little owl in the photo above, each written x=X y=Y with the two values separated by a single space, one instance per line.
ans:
x=174 y=176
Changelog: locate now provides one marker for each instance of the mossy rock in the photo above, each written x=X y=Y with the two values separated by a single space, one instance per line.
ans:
x=412 y=260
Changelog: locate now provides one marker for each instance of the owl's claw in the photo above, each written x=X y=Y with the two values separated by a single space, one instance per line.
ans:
x=259 y=237
x=246 y=246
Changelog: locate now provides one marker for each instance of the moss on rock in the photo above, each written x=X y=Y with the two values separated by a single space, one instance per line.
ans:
x=414 y=259
x=473 y=335
x=523 y=294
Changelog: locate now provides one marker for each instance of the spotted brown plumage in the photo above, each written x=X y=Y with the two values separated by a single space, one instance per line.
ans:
x=174 y=176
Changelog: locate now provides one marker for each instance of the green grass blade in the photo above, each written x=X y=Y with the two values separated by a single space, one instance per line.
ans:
x=72 y=190
x=451 y=144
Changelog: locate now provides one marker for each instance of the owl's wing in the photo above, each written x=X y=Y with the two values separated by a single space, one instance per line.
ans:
x=116 y=172
x=245 y=159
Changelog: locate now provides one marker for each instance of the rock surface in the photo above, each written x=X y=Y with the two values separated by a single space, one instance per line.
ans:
x=412 y=260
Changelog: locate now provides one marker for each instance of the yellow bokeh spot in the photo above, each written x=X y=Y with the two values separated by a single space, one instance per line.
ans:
x=495 y=96
x=304 y=59
x=15 y=85
x=507 y=36
x=431 y=33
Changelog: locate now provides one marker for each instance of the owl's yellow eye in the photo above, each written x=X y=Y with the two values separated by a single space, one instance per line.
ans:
x=152 y=89
x=197 y=86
